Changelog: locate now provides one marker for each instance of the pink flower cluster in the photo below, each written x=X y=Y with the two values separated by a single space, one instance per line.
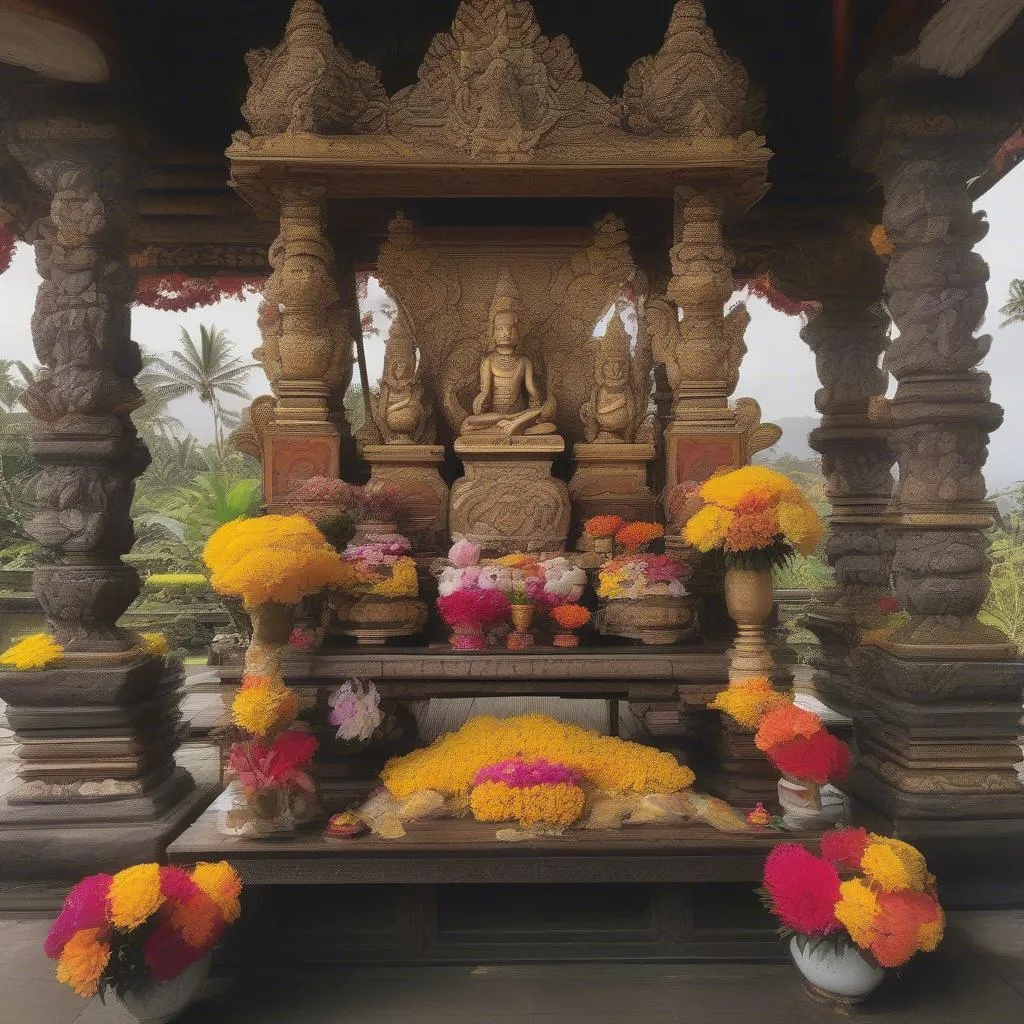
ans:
x=379 y=549
x=519 y=774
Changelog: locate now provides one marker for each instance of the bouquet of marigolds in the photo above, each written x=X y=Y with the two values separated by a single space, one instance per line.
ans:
x=381 y=566
x=758 y=518
x=864 y=889
x=143 y=926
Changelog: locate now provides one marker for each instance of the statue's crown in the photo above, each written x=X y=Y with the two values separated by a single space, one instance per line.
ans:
x=615 y=343
x=506 y=296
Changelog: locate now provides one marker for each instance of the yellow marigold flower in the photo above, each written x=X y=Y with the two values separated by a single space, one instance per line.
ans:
x=258 y=709
x=801 y=525
x=32 y=652
x=707 y=528
x=857 y=910
x=135 y=896
x=749 y=700
x=272 y=558
x=730 y=490
x=403 y=581
x=155 y=644
x=221 y=883
x=930 y=935
x=558 y=805
x=892 y=864
x=451 y=762
x=83 y=961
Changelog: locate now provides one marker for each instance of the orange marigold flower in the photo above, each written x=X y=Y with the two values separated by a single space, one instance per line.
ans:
x=83 y=961
x=570 y=616
x=751 y=531
x=250 y=682
x=784 y=725
x=221 y=883
x=897 y=933
x=636 y=535
x=603 y=526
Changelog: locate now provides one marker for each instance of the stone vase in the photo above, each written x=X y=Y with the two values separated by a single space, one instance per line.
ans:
x=749 y=597
x=271 y=627
x=162 y=1002
x=841 y=976
x=652 y=620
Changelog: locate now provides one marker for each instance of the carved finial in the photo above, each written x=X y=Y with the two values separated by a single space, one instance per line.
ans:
x=499 y=88
x=308 y=84
x=506 y=298
x=689 y=89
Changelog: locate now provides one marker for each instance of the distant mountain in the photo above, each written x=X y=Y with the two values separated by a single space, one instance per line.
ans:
x=794 y=439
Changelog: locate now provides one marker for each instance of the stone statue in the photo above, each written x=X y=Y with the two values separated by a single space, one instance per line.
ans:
x=610 y=412
x=509 y=403
x=402 y=414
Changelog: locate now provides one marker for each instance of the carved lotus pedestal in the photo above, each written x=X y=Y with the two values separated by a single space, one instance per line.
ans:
x=508 y=500
x=612 y=479
x=413 y=471
x=651 y=620
x=375 y=620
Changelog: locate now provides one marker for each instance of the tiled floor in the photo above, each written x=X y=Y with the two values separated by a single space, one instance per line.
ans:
x=977 y=976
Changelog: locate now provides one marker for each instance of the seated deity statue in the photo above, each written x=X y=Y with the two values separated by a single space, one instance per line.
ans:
x=509 y=402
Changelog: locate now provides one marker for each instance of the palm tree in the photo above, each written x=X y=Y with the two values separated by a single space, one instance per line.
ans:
x=153 y=419
x=1014 y=308
x=209 y=371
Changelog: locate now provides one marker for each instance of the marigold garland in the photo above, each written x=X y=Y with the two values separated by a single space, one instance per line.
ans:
x=749 y=700
x=450 y=764
x=557 y=805
x=38 y=651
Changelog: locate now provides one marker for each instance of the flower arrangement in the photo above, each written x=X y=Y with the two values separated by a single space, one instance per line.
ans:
x=794 y=740
x=382 y=567
x=864 y=889
x=143 y=926
x=281 y=765
x=38 y=651
x=597 y=527
x=470 y=613
x=756 y=517
x=355 y=710
x=636 y=536
x=631 y=576
x=569 y=618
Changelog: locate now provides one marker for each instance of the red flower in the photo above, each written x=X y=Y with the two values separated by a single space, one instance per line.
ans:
x=897 y=928
x=820 y=759
x=844 y=847
x=888 y=605
x=290 y=750
x=302 y=638
x=167 y=954
x=473 y=609
x=804 y=890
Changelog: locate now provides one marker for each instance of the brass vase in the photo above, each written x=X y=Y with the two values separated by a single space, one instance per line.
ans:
x=749 y=596
x=522 y=616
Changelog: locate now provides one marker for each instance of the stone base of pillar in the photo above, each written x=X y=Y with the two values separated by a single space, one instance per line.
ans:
x=293 y=453
x=413 y=471
x=611 y=478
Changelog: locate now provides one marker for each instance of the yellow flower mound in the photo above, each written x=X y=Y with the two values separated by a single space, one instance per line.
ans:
x=83 y=961
x=749 y=700
x=259 y=709
x=221 y=883
x=857 y=910
x=403 y=581
x=730 y=490
x=33 y=652
x=557 y=805
x=893 y=865
x=271 y=558
x=452 y=761
x=707 y=528
x=135 y=895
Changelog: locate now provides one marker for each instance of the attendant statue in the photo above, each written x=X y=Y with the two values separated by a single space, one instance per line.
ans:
x=509 y=403
x=609 y=415
x=401 y=413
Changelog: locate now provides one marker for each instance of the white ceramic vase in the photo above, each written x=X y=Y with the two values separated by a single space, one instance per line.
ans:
x=163 y=1002
x=842 y=976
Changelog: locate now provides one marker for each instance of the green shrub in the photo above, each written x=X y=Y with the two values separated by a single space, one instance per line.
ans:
x=175 y=587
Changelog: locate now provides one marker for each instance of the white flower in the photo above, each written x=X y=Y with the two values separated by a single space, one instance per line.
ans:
x=355 y=710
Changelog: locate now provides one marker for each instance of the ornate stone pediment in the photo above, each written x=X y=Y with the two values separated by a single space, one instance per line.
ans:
x=498 y=89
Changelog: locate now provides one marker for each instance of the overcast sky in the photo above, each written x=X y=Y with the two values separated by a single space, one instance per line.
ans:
x=778 y=370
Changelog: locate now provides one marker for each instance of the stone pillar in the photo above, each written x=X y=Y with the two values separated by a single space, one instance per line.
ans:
x=937 y=733
x=847 y=339
x=308 y=342
x=98 y=787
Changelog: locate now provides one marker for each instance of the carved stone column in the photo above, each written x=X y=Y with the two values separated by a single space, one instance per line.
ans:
x=308 y=341
x=97 y=732
x=942 y=693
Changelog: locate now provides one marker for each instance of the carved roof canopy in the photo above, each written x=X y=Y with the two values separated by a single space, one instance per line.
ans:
x=494 y=92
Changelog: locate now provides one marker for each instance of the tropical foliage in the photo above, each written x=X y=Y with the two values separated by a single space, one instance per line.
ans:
x=1013 y=309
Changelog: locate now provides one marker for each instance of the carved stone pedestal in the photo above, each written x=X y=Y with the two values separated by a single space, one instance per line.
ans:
x=612 y=478
x=292 y=454
x=412 y=470
x=98 y=787
x=508 y=500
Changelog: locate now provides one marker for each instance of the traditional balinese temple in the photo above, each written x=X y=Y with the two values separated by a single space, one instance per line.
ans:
x=497 y=163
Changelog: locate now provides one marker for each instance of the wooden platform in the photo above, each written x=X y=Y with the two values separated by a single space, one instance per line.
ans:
x=463 y=851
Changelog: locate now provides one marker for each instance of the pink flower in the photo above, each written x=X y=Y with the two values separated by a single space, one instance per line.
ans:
x=84 y=909
x=464 y=553
x=355 y=710
x=520 y=774
x=301 y=638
